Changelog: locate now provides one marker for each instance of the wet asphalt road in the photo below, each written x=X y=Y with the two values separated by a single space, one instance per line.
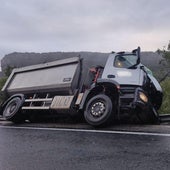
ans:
x=29 y=147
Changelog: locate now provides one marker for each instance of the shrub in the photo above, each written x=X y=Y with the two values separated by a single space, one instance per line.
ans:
x=165 y=108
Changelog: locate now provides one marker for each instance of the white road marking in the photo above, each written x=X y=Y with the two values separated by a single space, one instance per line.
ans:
x=90 y=131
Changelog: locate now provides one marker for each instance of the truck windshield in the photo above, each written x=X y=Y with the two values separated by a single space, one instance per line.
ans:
x=125 y=61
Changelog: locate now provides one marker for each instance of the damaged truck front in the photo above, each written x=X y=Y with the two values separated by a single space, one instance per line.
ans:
x=123 y=85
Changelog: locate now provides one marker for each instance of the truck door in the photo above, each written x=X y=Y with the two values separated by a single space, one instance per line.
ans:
x=123 y=68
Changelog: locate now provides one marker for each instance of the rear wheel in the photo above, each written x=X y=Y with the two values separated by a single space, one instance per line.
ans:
x=12 y=110
x=98 y=110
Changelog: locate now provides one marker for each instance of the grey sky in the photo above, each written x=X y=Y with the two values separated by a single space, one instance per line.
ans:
x=83 y=25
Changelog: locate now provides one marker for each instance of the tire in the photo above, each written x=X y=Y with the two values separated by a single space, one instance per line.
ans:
x=148 y=117
x=12 y=110
x=98 y=110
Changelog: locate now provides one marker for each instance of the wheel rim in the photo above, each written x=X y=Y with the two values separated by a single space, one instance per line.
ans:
x=98 y=109
x=11 y=109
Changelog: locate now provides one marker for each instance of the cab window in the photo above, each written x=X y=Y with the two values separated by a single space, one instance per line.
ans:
x=125 y=61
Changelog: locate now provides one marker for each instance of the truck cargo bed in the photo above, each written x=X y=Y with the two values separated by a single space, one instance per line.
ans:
x=59 y=76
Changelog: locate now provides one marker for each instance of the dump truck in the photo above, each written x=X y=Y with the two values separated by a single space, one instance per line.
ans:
x=123 y=85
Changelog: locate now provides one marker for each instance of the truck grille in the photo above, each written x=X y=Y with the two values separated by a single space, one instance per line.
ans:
x=127 y=95
x=125 y=90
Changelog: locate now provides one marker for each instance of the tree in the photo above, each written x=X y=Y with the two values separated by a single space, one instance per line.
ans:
x=165 y=81
x=168 y=48
x=8 y=71
x=165 y=52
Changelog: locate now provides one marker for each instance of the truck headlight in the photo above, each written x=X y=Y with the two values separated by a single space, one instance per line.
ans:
x=143 y=97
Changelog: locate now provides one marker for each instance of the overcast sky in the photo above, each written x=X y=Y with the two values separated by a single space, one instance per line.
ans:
x=83 y=25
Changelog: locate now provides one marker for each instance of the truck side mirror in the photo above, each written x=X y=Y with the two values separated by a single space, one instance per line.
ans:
x=137 y=52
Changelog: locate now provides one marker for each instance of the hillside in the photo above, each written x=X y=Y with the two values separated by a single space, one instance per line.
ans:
x=150 y=59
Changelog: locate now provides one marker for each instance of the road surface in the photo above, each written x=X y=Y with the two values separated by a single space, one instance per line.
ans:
x=78 y=147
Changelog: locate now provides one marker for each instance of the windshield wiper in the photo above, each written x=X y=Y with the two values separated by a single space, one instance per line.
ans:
x=133 y=66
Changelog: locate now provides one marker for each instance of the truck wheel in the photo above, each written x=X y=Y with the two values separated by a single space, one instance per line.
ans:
x=98 y=110
x=148 y=117
x=12 y=110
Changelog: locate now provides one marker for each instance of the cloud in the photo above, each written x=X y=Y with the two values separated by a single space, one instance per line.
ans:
x=78 y=25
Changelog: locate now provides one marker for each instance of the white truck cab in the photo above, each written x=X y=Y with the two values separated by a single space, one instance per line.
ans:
x=118 y=68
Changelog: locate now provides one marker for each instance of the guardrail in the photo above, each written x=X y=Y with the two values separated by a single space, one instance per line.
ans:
x=164 y=118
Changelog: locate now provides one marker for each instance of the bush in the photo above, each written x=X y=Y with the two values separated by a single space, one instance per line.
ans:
x=2 y=82
x=165 y=108
x=7 y=73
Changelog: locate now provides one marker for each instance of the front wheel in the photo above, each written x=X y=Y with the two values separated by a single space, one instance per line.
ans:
x=11 y=111
x=98 y=110
x=149 y=116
